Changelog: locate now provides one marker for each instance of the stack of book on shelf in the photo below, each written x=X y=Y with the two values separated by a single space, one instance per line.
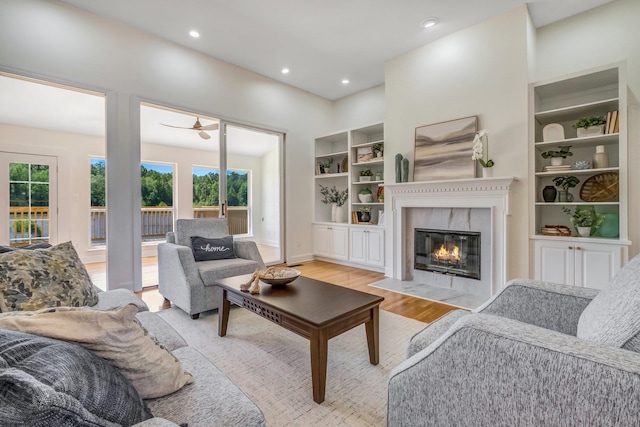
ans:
x=558 y=168
x=317 y=169
x=556 y=230
x=613 y=123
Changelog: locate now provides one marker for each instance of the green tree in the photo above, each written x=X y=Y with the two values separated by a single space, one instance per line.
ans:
x=206 y=189
x=98 y=183
x=157 y=187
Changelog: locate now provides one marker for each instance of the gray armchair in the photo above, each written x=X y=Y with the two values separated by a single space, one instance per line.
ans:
x=537 y=354
x=189 y=284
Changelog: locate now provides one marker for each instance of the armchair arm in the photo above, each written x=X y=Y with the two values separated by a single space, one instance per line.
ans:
x=248 y=249
x=488 y=370
x=548 y=305
x=178 y=276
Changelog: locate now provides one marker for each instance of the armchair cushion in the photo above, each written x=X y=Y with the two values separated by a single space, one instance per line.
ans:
x=613 y=317
x=205 y=249
x=210 y=271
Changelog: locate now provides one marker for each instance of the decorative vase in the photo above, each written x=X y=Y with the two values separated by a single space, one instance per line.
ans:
x=339 y=213
x=549 y=193
x=365 y=198
x=365 y=178
x=610 y=227
x=334 y=206
x=565 y=196
x=556 y=161
x=590 y=131
x=365 y=216
x=398 y=167
x=600 y=158
x=487 y=172
x=405 y=170
x=584 y=231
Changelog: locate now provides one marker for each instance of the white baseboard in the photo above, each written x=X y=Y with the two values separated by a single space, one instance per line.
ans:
x=350 y=264
x=299 y=258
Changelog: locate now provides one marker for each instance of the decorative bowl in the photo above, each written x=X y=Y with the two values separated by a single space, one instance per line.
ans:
x=582 y=164
x=279 y=276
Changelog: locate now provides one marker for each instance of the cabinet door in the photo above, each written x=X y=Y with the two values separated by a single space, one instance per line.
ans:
x=358 y=246
x=375 y=247
x=554 y=262
x=321 y=241
x=339 y=243
x=596 y=264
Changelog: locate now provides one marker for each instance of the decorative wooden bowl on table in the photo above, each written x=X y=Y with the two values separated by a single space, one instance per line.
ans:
x=279 y=276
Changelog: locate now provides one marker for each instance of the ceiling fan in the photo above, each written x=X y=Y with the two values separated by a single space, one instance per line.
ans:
x=197 y=126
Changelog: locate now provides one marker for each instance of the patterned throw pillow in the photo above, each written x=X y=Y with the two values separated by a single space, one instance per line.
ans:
x=205 y=249
x=36 y=279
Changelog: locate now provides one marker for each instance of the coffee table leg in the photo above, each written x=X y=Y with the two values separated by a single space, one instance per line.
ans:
x=373 y=340
x=223 y=312
x=319 y=348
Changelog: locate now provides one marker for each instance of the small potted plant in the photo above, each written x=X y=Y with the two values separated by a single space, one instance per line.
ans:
x=565 y=182
x=585 y=218
x=377 y=149
x=365 y=195
x=365 y=175
x=589 y=126
x=326 y=165
x=557 y=156
x=336 y=199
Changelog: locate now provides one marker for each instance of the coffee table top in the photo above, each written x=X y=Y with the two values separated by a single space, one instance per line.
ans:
x=312 y=300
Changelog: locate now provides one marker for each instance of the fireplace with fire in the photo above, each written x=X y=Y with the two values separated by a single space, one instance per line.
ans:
x=456 y=253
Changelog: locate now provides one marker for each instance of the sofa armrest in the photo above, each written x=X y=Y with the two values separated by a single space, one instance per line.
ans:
x=247 y=249
x=488 y=370
x=548 y=305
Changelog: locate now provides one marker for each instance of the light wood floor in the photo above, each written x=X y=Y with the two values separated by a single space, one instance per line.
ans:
x=354 y=278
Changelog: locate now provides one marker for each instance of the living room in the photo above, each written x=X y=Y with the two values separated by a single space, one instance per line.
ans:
x=483 y=70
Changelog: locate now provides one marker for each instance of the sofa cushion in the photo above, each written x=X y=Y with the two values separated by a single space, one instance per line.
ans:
x=42 y=245
x=35 y=279
x=205 y=227
x=114 y=335
x=54 y=383
x=205 y=249
x=613 y=317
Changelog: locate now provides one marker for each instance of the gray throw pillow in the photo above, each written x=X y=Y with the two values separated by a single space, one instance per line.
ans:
x=4 y=249
x=46 y=382
x=205 y=249
x=613 y=317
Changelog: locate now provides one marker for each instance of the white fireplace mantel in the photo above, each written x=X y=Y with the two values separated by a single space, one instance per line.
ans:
x=492 y=193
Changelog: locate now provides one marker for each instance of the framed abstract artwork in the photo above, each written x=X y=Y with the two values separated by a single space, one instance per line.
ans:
x=443 y=150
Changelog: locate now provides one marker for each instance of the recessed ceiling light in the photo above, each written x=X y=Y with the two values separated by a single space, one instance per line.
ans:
x=285 y=70
x=194 y=34
x=429 y=22
x=345 y=81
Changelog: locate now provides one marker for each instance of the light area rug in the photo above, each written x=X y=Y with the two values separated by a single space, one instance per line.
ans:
x=272 y=366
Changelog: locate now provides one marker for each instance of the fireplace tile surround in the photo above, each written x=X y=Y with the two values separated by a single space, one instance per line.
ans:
x=480 y=205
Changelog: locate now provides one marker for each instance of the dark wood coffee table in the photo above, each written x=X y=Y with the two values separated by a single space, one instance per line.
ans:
x=310 y=308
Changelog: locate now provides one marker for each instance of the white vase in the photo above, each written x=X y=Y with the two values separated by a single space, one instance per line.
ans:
x=365 y=178
x=590 y=131
x=487 y=172
x=584 y=231
x=334 y=207
x=556 y=161
x=339 y=213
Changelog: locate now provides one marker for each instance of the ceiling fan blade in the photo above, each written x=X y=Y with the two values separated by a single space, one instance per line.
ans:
x=204 y=135
x=213 y=126
x=177 y=127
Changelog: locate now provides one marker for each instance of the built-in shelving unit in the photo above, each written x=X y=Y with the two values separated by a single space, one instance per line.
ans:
x=565 y=101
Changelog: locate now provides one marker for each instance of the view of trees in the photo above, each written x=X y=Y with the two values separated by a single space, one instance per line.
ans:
x=21 y=185
x=157 y=187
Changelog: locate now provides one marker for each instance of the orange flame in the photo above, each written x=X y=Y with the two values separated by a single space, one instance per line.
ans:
x=443 y=254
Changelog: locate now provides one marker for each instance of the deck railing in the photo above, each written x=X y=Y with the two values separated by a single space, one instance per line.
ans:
x=28 y=224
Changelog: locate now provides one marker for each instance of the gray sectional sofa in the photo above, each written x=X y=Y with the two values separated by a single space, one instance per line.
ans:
x=211 y=400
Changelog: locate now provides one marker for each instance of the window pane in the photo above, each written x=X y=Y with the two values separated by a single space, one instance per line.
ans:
x=157 y=200
x=39 y=194
x=237 y=191
x=19 y=195
x=98 y=176
x=18 y=172
x=39 y=173
x=205 y=187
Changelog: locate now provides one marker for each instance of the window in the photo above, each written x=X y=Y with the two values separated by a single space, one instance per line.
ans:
x=28 y=203
x=98 y=202
x=157 y=200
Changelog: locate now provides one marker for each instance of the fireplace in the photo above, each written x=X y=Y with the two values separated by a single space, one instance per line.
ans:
x=454 y=253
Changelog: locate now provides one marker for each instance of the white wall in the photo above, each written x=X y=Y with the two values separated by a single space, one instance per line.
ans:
x=59 y=42
x=269 y=219
x=479 y=71
x=592 y=39
x=360 y=109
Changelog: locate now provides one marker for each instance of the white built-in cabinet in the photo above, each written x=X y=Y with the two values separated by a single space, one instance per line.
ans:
x=580 y=261
x=367 y=246
x=590 y=265
x=343 y=156
x=331 y=241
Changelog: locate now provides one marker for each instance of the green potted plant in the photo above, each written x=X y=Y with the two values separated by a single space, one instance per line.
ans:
x=365 y=195
x=589 y=126
x=336 y=199
x=377 y=149
x=326 y=165
x=365 y=175
x=557 y=156
x=585 y=218
x=565 y=182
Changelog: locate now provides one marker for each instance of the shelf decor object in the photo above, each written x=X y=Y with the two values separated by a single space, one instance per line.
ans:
x=443 y=150
x=600 y=158
x=549 y=193
x=553 y=132
x=590 y=126
x=602 y=187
